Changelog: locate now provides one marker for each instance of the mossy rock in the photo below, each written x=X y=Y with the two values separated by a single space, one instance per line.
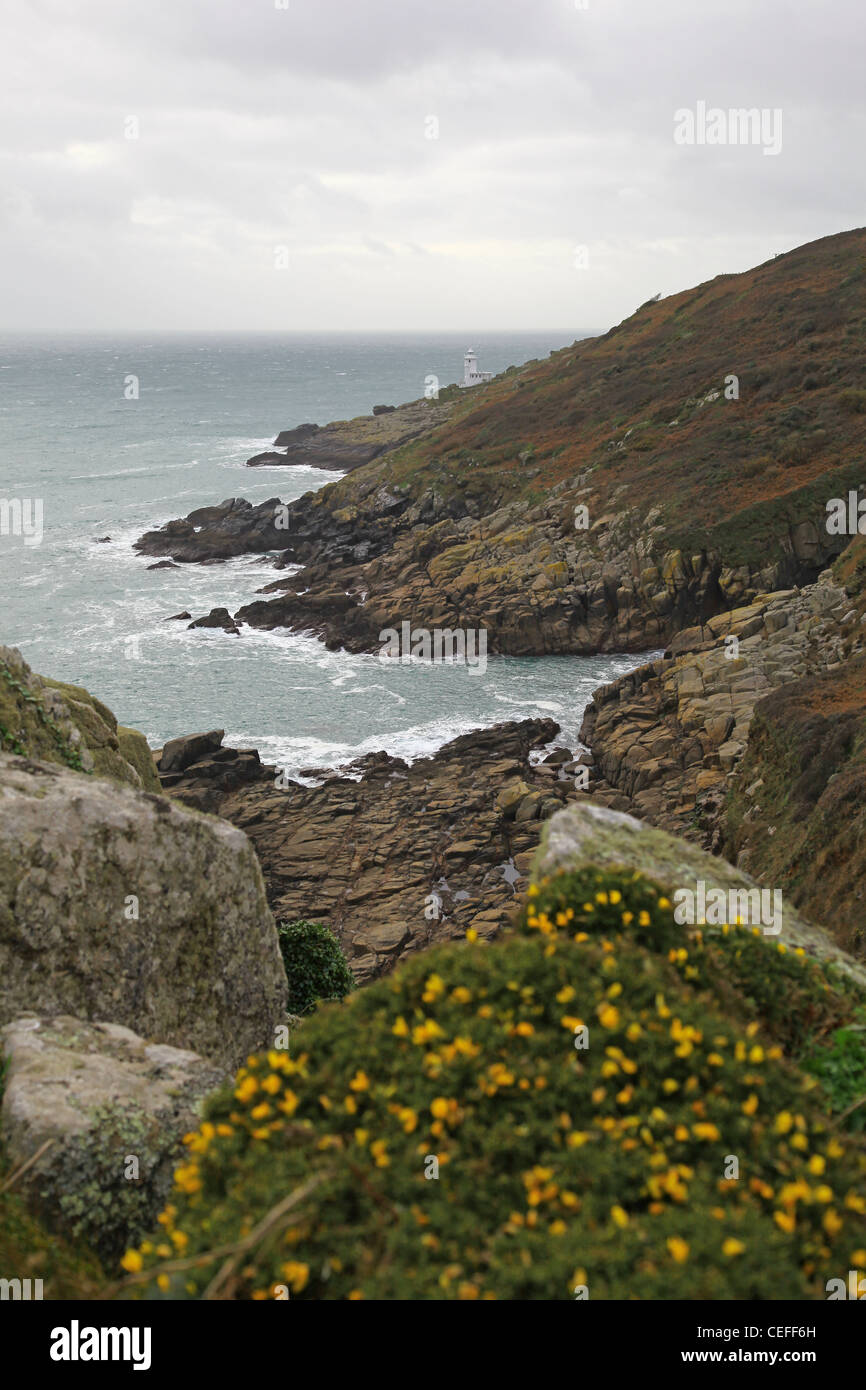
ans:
x=135 y=750
x=57 y=722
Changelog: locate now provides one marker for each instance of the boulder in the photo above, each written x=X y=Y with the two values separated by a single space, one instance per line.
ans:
x=218 y=617
x=179 y=753
x=120 y=906
x=584 y=834
x=112 y=1110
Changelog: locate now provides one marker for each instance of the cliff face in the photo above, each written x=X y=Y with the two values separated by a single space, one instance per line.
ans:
x=625 y=488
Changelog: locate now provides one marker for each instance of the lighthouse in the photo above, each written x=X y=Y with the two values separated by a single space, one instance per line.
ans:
x=471 y=375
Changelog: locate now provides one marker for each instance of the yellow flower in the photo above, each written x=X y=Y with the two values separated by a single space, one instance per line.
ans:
x=679 y=1249
x=163 y=1282
x=271 y=1084
x=817 y=1164
x=296 y=1275
x=289 y=1103
x=784 y=1122
x=377 y=1149
x=832 y=1222
x=439 y=1108
x=359 y=1082
x=709 y=1132
x=461 y=995
x=608 y=1016
x=785 y=1220
x=732 y=1247
x=132 y=1262
x=619 y=1217
x=401 y=1028
x=565 y=995
x=750 y=1105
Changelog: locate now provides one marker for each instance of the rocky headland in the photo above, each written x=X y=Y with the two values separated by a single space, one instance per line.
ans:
x=344 y=445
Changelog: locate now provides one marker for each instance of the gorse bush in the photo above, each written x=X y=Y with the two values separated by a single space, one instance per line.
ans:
x=316 y=968
x=446 y=1134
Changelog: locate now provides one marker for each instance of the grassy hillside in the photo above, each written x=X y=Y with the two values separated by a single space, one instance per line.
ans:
x=695 y=501
x=633 y=405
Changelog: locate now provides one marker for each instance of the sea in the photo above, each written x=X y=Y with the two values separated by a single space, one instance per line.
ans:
x=114 y=435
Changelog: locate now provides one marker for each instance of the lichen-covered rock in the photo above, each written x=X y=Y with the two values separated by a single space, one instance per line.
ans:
x=112 y=1109
x=118 y=905
x=60 y=723
x=586 y=834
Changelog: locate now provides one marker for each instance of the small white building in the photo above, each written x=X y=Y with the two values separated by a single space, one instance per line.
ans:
x=471 y=374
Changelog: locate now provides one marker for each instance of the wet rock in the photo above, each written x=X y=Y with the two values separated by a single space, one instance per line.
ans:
x=218 y=617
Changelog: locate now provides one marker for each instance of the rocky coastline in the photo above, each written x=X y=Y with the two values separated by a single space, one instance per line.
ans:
x=600 y=501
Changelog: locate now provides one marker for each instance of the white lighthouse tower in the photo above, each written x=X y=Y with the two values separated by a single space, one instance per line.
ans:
x=471 y=374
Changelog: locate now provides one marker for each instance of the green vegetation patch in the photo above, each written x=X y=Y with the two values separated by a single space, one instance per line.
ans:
x=447 y=1133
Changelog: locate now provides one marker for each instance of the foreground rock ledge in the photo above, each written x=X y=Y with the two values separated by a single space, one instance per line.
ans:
x=119 y=905
x=112 y=1110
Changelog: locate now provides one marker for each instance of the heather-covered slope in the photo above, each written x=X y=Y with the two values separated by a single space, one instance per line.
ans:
x=695 y=502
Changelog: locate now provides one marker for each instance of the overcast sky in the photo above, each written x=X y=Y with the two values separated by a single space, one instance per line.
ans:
x=284 y=175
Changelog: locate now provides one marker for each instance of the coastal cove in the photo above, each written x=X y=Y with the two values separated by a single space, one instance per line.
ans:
x=89 y=610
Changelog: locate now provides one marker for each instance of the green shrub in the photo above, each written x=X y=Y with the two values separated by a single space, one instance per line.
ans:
x=315 y=965
x=558 y=1165
x=841 y=1067
x=853 y=401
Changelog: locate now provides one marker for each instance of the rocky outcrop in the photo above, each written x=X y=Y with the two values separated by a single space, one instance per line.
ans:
x=347 y=444
x=99 y=1115
x=233 y=527
x=60 y=723
x=592 y=835
x=199 y=771
x=218 y=617
x=667 y=737
x=396 y=856
x=795 y=812
x=118 y=906
x=631 y=486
